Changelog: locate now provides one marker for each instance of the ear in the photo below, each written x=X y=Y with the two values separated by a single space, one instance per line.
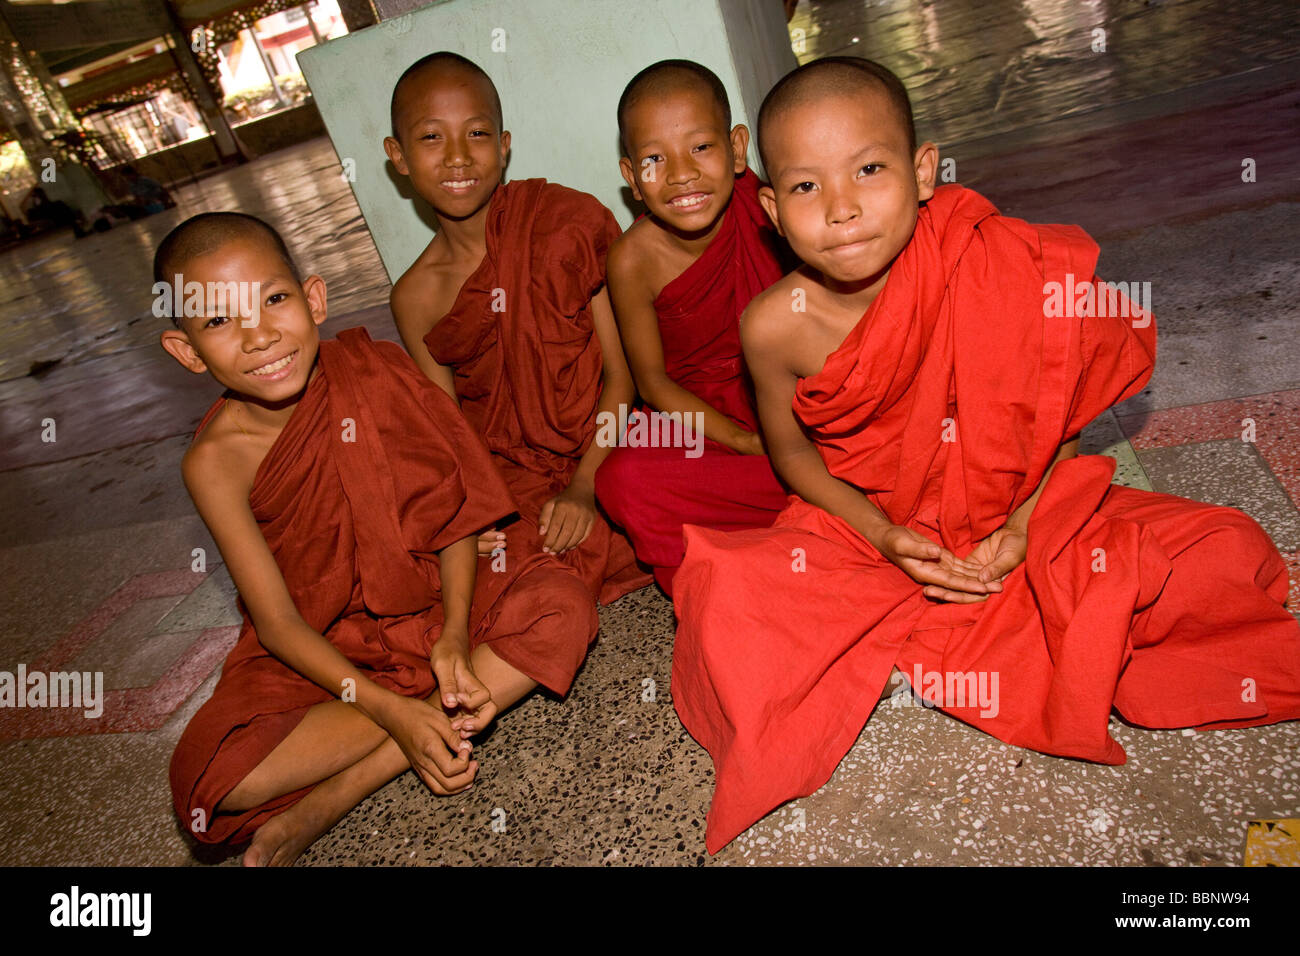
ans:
x=395 y=156
x=179 y=347
x=629 y=176
x=927 y=166
x=505 y=149
x=767 y=199
x=740 y=147
x=314 y=288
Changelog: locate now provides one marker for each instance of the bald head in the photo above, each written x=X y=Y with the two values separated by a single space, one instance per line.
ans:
x=665 y=78
x=833 y=76
x=446 y=63
x=207 y=232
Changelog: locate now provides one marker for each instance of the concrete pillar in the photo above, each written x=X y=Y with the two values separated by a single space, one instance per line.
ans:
x=560 y=66
x=201 y=93
x=358 y=14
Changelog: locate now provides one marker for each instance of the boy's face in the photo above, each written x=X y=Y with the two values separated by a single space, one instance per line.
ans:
x=845 y=188
x=450 y=145
x=682 y=161
x=267 y=353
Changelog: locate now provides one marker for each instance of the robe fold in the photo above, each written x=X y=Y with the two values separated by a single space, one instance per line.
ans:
x=652 y=492
x=521 y=342
x=946 y=405
x=373 y=474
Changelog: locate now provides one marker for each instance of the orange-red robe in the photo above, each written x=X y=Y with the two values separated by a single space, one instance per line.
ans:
x=375 y=472
x=522 y=344
x=652 y=491
x=945 y=405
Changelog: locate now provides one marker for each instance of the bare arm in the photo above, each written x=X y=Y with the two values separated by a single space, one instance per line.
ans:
x=794 y=457
x=617 y=388
x=222 y=502
x=1019 y=519
x=422 y=731
x=567 y=519
x=638 y=326
x=1006 y=548
x=797 y=460
x=413 y=324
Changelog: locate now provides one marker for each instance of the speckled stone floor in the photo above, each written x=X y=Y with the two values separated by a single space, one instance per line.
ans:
x=97 y=549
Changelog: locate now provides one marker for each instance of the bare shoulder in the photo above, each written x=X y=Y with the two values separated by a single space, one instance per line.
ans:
x=769 y=319
x=625 y=266
x=221 y=464
x=650 y=258
x=418 y=280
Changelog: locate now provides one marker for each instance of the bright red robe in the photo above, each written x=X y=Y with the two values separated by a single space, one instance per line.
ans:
x=355 y=527
x=652 y=492
x=1167 y=610
x=522 y=344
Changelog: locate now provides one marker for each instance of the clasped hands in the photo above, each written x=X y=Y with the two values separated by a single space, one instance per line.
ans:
x=946 y=577
x=434 y=733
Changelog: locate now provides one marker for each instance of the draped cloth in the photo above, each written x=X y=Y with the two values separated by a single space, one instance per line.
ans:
x=651 y=492
x=521 y=342
x=374 y=473
x=946 y=405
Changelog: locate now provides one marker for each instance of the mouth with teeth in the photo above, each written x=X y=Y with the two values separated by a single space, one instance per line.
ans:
x=690 y=202
x=277 y=369
x=459 y=185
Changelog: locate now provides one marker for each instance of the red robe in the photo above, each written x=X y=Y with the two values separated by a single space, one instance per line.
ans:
x=526 y=360
x=355 y=527
x=1167 y=610
x=652 y=492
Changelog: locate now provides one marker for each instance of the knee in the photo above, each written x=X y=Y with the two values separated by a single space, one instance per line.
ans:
x=1237 y=534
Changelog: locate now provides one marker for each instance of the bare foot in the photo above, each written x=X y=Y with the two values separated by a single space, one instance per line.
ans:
x=280 y=840
x=896 y=680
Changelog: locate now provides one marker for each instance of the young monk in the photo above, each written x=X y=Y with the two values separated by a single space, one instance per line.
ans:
x=506 y=310
x=926 y=409
x=679 y=279
x=346 y=494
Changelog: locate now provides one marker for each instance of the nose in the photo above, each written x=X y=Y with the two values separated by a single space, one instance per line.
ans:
x=679 y=170
x=457 y=151
x=258 y=332
x=841 y=205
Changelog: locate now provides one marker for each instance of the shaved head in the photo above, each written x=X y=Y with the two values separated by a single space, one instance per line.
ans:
x=834 y=76
x=206 y=233
x=447 y=61
x=666 y=78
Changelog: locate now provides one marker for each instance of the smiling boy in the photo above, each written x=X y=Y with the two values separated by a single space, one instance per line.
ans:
x=506 y=310
x=679 y=279
x=925 y=405
x=346 y=494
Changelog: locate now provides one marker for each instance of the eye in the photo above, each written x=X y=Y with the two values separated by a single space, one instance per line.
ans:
x=276 y=298
x=703 y=146
x=652 y=159
x=480 y=133
x=871 y=168
x=216 y=322
x=430 y=136
x=803 y=188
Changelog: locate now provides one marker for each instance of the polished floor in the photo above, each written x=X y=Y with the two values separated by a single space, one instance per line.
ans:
x=1143 y=144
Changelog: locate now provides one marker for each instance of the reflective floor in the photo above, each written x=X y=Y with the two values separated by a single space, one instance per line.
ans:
x=69 y=300
x=976 y=68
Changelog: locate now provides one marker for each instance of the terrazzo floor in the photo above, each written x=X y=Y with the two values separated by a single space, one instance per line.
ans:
x=96 y=549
